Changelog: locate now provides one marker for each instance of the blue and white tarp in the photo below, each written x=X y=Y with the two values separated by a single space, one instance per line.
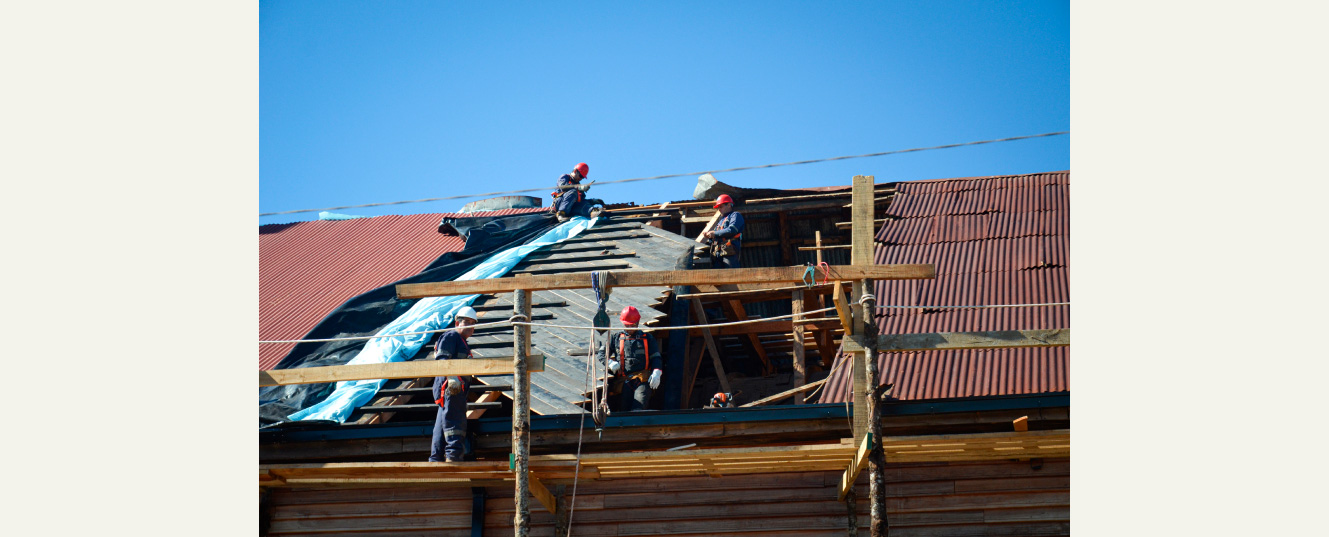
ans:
x=433 y=313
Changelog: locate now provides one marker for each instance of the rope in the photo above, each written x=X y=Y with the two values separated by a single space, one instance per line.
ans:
x=517 y=320
x=673 y=175
x=667 y=328
x=991 y=306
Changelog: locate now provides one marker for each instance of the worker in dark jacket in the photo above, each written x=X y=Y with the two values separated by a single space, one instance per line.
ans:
x=570 y=197
x=450 y=443
x=727 y=237
x=634 y=356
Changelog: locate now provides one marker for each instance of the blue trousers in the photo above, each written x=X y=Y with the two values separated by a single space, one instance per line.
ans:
x=568 y=202
x=729 y=261
x=635 y=395
x=450 y=443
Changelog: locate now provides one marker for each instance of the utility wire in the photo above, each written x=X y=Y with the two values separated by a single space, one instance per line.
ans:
x=672 y=175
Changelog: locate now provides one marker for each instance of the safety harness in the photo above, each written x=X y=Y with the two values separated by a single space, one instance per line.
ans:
x=623 y=356
x=443 y=390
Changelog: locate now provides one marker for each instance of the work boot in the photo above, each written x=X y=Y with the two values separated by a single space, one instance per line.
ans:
x=595 y=211
x=562 y=216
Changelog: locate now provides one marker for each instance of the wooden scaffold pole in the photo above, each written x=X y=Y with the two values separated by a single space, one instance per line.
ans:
x=521 y=415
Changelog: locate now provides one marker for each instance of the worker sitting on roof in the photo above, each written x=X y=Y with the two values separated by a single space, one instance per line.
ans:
x=635 y=358
x=727 y=236
x=570 y=197
x=450 y=443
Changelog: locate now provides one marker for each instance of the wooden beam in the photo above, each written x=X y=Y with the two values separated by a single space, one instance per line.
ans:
x=856 y=467
x=842 y=310
x=974 y=340
x=394 y=370
x=761 y=295
x=542 y=494
x=861 y=256
x=800 y=356
x=734 y=310
x=1060 y=337
x=1021 y=424
x=662 y=278
x=770 y=327
x=488 y=397
x=820 y=248
x=701 y=237
x=700 y=314
x=800 y=389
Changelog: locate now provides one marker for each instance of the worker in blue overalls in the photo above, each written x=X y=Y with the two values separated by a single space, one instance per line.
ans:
x=450 y=443
x=634 y=357
x=727 y=237
x=570 y=197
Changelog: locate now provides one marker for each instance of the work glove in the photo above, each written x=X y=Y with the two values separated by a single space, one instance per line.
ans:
x=655 y=379
x=613 y=366
x=583 y=188
x=453 y=387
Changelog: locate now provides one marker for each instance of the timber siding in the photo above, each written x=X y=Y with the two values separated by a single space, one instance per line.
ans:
x=923 y=499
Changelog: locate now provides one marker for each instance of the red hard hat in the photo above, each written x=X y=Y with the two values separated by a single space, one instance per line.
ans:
x=629 y=315
x=723 y=199
x=583 y=169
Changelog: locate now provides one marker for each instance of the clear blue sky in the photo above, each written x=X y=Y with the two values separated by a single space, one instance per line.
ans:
x=385 y=101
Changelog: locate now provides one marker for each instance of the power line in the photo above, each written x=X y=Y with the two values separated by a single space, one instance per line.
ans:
x=673 y=175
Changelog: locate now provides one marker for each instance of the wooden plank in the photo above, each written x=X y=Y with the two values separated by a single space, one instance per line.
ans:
x=974 y=340
x=488 y=397
x=761 y=295
x=662 y=278
x=856 y=467
x=842 y=310
x=700 y=314
x=393 y=370
x=541 y=493
x=701 y=237
x=800 y=389
x=820 y=248
x=861 y=255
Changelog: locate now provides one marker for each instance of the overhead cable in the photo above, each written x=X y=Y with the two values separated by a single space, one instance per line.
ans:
x=673 y=175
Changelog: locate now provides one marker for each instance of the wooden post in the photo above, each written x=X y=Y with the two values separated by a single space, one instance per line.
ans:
x=800 y=358
x=850 y=504
x=818 y=246
x=861 y=255
x=561 y=517
x=521 y=416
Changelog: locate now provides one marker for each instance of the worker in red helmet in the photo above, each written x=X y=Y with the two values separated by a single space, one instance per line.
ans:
x=634 y=357
x=721 y=400
x=570 y=196
x=727 y=237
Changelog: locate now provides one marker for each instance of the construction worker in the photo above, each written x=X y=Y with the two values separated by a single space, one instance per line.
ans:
x=727 y=237
x=569 y=202
x=450 y=443
x=721 y=400
x=634 y=357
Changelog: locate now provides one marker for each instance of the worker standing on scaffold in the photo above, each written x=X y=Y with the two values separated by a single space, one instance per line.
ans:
x=570 y=197
x=727 y=237
x=634 y=357
x=450 y=443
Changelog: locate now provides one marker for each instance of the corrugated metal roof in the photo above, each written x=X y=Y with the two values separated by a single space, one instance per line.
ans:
x=501 y=212
x=307 y=269
x=994 y=240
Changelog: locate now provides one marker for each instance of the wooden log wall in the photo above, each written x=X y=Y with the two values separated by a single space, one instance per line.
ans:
x=922 y=500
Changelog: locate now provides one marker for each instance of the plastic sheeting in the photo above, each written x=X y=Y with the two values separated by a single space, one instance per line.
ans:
x=432 y=313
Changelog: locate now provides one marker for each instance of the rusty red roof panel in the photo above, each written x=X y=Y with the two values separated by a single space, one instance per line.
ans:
x=307 y=269
x=994 y=240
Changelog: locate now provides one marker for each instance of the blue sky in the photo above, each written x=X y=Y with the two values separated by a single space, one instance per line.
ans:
x=384 y=101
